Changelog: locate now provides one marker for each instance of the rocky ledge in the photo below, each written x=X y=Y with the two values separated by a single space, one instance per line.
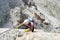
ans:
x=18 y=34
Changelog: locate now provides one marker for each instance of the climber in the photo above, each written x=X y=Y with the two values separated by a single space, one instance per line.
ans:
x=29 y=22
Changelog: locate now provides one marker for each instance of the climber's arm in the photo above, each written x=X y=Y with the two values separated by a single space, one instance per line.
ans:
x=19 y=25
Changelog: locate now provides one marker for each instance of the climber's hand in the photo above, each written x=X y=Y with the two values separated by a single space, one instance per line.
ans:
x=17 y=27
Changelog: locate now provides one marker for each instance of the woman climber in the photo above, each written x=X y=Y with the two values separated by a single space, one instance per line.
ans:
x=29 y=22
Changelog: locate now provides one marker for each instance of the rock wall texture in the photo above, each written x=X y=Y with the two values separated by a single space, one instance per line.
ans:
x=10 y=34
x=45 y=13
x=18 y=34
x=5 y=7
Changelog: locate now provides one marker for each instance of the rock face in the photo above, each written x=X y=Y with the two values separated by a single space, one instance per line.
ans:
x=18 y=34
x=5 y=7
x=45 y=13
x=4 y=11
x=39 y=36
